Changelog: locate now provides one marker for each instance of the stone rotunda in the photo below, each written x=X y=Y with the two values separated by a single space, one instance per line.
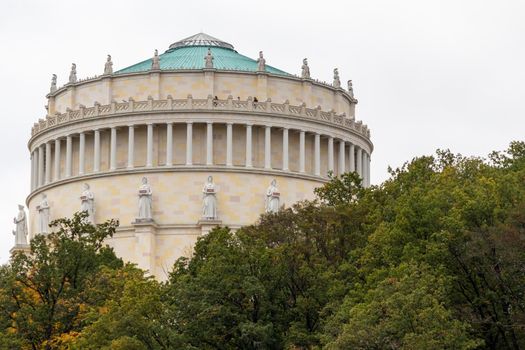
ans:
x=189 y=139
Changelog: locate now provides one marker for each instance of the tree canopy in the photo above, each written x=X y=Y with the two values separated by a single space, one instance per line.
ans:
x=432 y=258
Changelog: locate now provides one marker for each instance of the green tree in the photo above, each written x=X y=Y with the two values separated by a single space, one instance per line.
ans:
x=135 y=314
x=43 y=293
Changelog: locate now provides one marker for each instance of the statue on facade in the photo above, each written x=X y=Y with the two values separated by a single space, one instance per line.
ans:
x=350 y=88
x=209 y=200
x=261 y=62
x=43 y=215
x=20 y=232
x=273 y=196
x=305 y=70
x=155 y=62
x=337 y=81
x=108 y=67
x=87 y=203
x=53 y=87
x=73 y=74
x=145 y=201
x=208 y=59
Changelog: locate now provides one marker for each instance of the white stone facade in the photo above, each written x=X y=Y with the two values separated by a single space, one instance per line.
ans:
x=177 y=128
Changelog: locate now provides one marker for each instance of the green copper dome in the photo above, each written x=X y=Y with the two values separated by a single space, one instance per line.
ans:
x=189 y=53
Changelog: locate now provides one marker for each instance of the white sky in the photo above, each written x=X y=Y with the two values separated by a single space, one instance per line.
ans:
x=428 y=74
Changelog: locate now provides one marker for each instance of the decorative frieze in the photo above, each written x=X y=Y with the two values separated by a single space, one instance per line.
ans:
x=198 y=105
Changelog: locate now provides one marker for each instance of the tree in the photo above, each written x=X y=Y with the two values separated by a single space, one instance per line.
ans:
x=43 y=293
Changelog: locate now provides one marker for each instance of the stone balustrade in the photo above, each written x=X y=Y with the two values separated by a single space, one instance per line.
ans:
x=198 y=105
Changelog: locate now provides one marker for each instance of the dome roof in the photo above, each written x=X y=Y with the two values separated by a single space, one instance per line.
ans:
x=189 y=53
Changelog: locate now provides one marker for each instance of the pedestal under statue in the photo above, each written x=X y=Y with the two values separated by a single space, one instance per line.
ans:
x=209 y=200
x=20 y=231
x=272 y=198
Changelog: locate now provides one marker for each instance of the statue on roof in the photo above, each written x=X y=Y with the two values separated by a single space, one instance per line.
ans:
x=53 y=83
x=350 y=89
x=261 y=62
x=208 y=59
x=108 y=67
x=337 y=81
x=305 y=70
x=73 y=74
x=155 y=63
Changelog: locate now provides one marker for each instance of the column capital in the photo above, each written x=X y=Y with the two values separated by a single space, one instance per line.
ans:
x=229 y=123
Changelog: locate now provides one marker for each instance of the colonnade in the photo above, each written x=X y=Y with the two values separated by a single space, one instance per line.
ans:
x=43 y=155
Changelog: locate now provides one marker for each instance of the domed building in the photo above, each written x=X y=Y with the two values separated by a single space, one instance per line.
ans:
x=192 y=138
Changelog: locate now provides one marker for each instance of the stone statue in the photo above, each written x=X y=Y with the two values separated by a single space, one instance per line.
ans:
x=272 y=203
x=350 y=88
x=261 y=63
x=73 y=74
x=145 y=211
x=209 y=200
x=305 y=70
x=337 y=81
x=108 y=67
x=53 y=84
x=155 y=63
x=21 y=227
x=208 y=59
x=87 y=203
x=43 y=215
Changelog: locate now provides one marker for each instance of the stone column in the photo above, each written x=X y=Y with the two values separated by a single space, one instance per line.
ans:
x=189 y=143
x=285 y=149
x=149 y=146
x=317 y=155
x=113 y=149
x=57 y=159
x=302 y=151
x=342 y=155
x=363 y=167
x=40 y=166
x=365 y=170
x=81 y=153
x=131 y=146
x=209 y=144
x=368 y=160
x=352 y=158
x=48 y=163
x=69 y=155
x=96 y=151
x=359 y=166
x=32 y=180
x=229 y=144
x=268 y=147
x=248 y=146
x=169 y=144
x=331 y=154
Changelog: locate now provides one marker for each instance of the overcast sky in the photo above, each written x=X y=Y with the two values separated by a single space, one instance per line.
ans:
x=427 y=74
